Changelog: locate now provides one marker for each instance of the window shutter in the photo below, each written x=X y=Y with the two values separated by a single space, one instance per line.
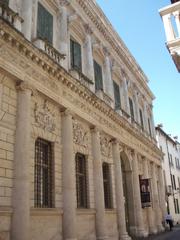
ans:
x=98 y=76
x=117 y=96
x=131 y=108
x=75 y=49
x=44 y=24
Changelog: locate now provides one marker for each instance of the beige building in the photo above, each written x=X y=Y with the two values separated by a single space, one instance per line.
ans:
x=171 y=171
x=78 y=155
x=171 y=19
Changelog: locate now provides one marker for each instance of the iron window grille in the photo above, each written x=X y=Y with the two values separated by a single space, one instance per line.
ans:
x=43 y=177
x=81 y=181
x=107 y=185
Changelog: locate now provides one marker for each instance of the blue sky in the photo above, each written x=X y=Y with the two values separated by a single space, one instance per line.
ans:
x=141 y=28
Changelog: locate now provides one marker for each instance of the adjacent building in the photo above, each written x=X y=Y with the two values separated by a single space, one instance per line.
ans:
x=171 y=171
x=78 y=153
x=171 y=19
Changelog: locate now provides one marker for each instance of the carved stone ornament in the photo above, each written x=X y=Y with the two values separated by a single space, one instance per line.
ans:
x=80 y=135
x=106 y=146
x=44 y=117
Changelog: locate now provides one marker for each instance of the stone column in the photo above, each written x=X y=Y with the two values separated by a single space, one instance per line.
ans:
x=89 y=65
x=162 y=194
x=21 y=188
x=27 y=8
x=98 y=186
x=136 y=103
x=176 y=16
x=119 y=192
x=168 y=27
x=125 y=95
x=68 y=178
x=156 y=207
x=152 y=228
x=62 y=39
x=107 y=75
x=140 y=231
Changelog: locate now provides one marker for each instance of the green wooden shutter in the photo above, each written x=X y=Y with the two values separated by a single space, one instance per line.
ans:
x=131 y=108
x=141 y=119
x=98 y=76
x=44 y=24
x=117 y=96
x=75 y=49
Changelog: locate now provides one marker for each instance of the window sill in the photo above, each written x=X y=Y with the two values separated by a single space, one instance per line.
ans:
x=86 y=211
x=46 y=211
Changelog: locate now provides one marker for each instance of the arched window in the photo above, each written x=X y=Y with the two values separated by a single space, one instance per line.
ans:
x=43 y=177
x=107 y=185
x=81 y=181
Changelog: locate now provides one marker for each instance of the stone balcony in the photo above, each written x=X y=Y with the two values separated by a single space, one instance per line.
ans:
x=171 y=19
x=10 y=16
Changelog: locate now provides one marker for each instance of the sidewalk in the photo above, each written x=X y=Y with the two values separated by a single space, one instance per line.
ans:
x=167 y=235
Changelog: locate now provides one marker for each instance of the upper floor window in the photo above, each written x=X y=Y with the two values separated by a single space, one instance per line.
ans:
x=98 y=76
x=75 y=49
x=43 y=177
x=131 y=106
x=44 y=24
x=149 y=126
x=81 y=181
x=117 y=97
x=141 y=119
x=107 y=185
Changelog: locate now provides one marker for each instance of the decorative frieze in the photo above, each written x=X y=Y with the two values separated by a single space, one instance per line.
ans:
x=106 y=146
x=44 y=118
x=80 y=134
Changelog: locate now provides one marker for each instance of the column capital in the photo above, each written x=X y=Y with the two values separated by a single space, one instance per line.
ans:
x=66 y=112
x=95 y=129
x=63 y=3
x=88 y=29
x=106 y=51
x=23 y=86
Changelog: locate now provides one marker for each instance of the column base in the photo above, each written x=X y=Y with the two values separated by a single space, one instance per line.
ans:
x=137 y=232
x=125 y=237
x=152 y=230
x=160 y=228
x=102 y=238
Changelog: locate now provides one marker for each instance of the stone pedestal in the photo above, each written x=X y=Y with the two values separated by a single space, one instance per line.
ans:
x=119 y=193
x=68 y=178
x=98 y=186
x=21 y=198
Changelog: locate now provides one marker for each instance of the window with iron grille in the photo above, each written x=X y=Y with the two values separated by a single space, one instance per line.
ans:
x=43 y=177
x=44 y=24
x=75 y=49
x=81 y=181
x=107 y=185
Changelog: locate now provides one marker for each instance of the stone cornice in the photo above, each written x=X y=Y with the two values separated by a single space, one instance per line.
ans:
x=28 y=52
x=93 y=11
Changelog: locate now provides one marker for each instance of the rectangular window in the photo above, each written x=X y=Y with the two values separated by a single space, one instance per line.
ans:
x=177 y=206
x=43 y=177
x=98 y=76
x=44 y=24
x=107 y=185
x=6 y=2
x=141 y=119
x=149 y=126
x=117 y=97
x=75 y=49
x=81 y=181
x=131 y=108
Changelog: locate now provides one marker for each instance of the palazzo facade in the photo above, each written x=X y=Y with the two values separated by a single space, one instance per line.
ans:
x=77 y=135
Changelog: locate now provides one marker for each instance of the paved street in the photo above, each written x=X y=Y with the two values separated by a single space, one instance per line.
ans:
x=173 y=235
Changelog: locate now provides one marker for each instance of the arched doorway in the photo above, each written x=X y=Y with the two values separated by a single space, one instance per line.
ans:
x=128 y=192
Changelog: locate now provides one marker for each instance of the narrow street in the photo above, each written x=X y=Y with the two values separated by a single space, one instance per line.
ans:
x=167 y=235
